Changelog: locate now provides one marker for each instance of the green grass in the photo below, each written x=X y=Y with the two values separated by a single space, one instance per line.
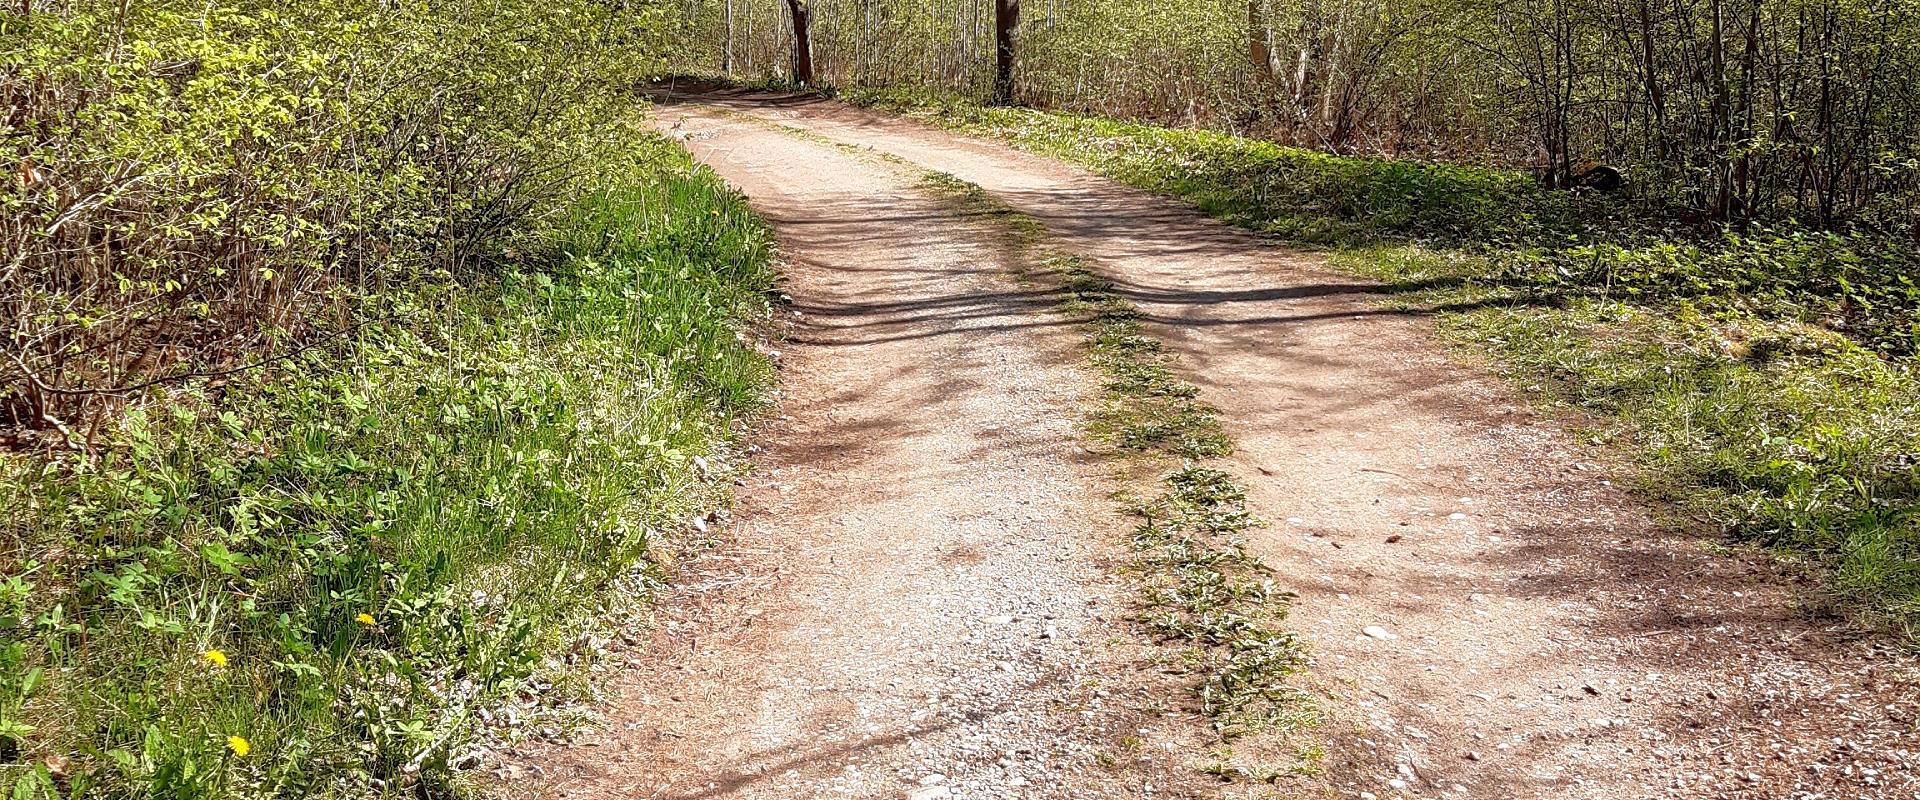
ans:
x=344 y=559
x=1200 y=588
x=1763 y=379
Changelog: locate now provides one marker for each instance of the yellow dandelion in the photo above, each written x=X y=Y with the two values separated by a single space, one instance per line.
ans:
x=239 y=745
x=364 y=619
x=214 y=658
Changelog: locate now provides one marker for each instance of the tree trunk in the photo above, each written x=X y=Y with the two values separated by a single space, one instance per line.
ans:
x=726 y=58
x=1006 y=18
x=802 y=43
x=1259 y=51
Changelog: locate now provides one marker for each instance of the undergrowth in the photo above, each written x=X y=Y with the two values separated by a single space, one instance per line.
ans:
x=1200 y=587
x=314 y=579
x=1763 y=378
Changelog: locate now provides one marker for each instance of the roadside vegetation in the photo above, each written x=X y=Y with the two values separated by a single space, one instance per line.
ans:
x=361 y=359
x=1200 y=588
x=1764 y=378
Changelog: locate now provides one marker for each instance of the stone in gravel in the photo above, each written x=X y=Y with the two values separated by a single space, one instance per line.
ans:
x=933 y=779
x=1377 y=632
x=930 y=793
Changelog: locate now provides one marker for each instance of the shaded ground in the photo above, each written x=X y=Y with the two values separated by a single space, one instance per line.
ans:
x=1544 y=638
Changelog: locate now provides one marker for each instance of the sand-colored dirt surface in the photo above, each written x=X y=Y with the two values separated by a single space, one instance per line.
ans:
x=924 y=583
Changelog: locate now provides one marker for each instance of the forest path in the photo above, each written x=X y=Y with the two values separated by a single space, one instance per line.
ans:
x=1550 y=640
x=1543 y=638
x=917 y=597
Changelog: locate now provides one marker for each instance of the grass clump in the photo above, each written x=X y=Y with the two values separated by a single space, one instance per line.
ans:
x=311 y=580
x=1203 y=588
x=1200 y=587
x=1764 y=378
x=1145 y=407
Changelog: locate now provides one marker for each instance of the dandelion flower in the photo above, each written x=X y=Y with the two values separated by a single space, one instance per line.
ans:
x=239 y=745
x=215 y=658
x=364 y=619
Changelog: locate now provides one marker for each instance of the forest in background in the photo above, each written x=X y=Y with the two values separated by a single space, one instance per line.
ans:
x=1718 y=110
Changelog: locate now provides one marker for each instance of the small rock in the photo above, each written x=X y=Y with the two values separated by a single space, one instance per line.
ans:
x=930 y=793
x=1377 y=632
x=933 y=779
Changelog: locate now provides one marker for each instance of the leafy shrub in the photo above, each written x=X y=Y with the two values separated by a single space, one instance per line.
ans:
x=196 y=186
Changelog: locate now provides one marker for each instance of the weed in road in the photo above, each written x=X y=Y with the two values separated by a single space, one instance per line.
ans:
x=1200 y=587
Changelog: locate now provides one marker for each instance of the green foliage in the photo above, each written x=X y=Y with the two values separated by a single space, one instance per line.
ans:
x=343 y=560
x=195 y=185
x=1298 y=193
x=1204 y=589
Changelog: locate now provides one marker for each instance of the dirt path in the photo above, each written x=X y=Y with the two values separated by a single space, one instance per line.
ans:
x=1543 y=638
x=917 y=600
x=1549 y=640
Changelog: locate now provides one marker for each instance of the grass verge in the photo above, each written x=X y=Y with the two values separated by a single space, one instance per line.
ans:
x=315 y=581
x=1200 y=587
x=1762 y=379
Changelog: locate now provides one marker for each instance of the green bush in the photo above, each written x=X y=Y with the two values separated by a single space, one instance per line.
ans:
x=343 y=559
x=196 y=185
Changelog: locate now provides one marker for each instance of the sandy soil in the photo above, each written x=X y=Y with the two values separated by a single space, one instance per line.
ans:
x=1543 y=637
